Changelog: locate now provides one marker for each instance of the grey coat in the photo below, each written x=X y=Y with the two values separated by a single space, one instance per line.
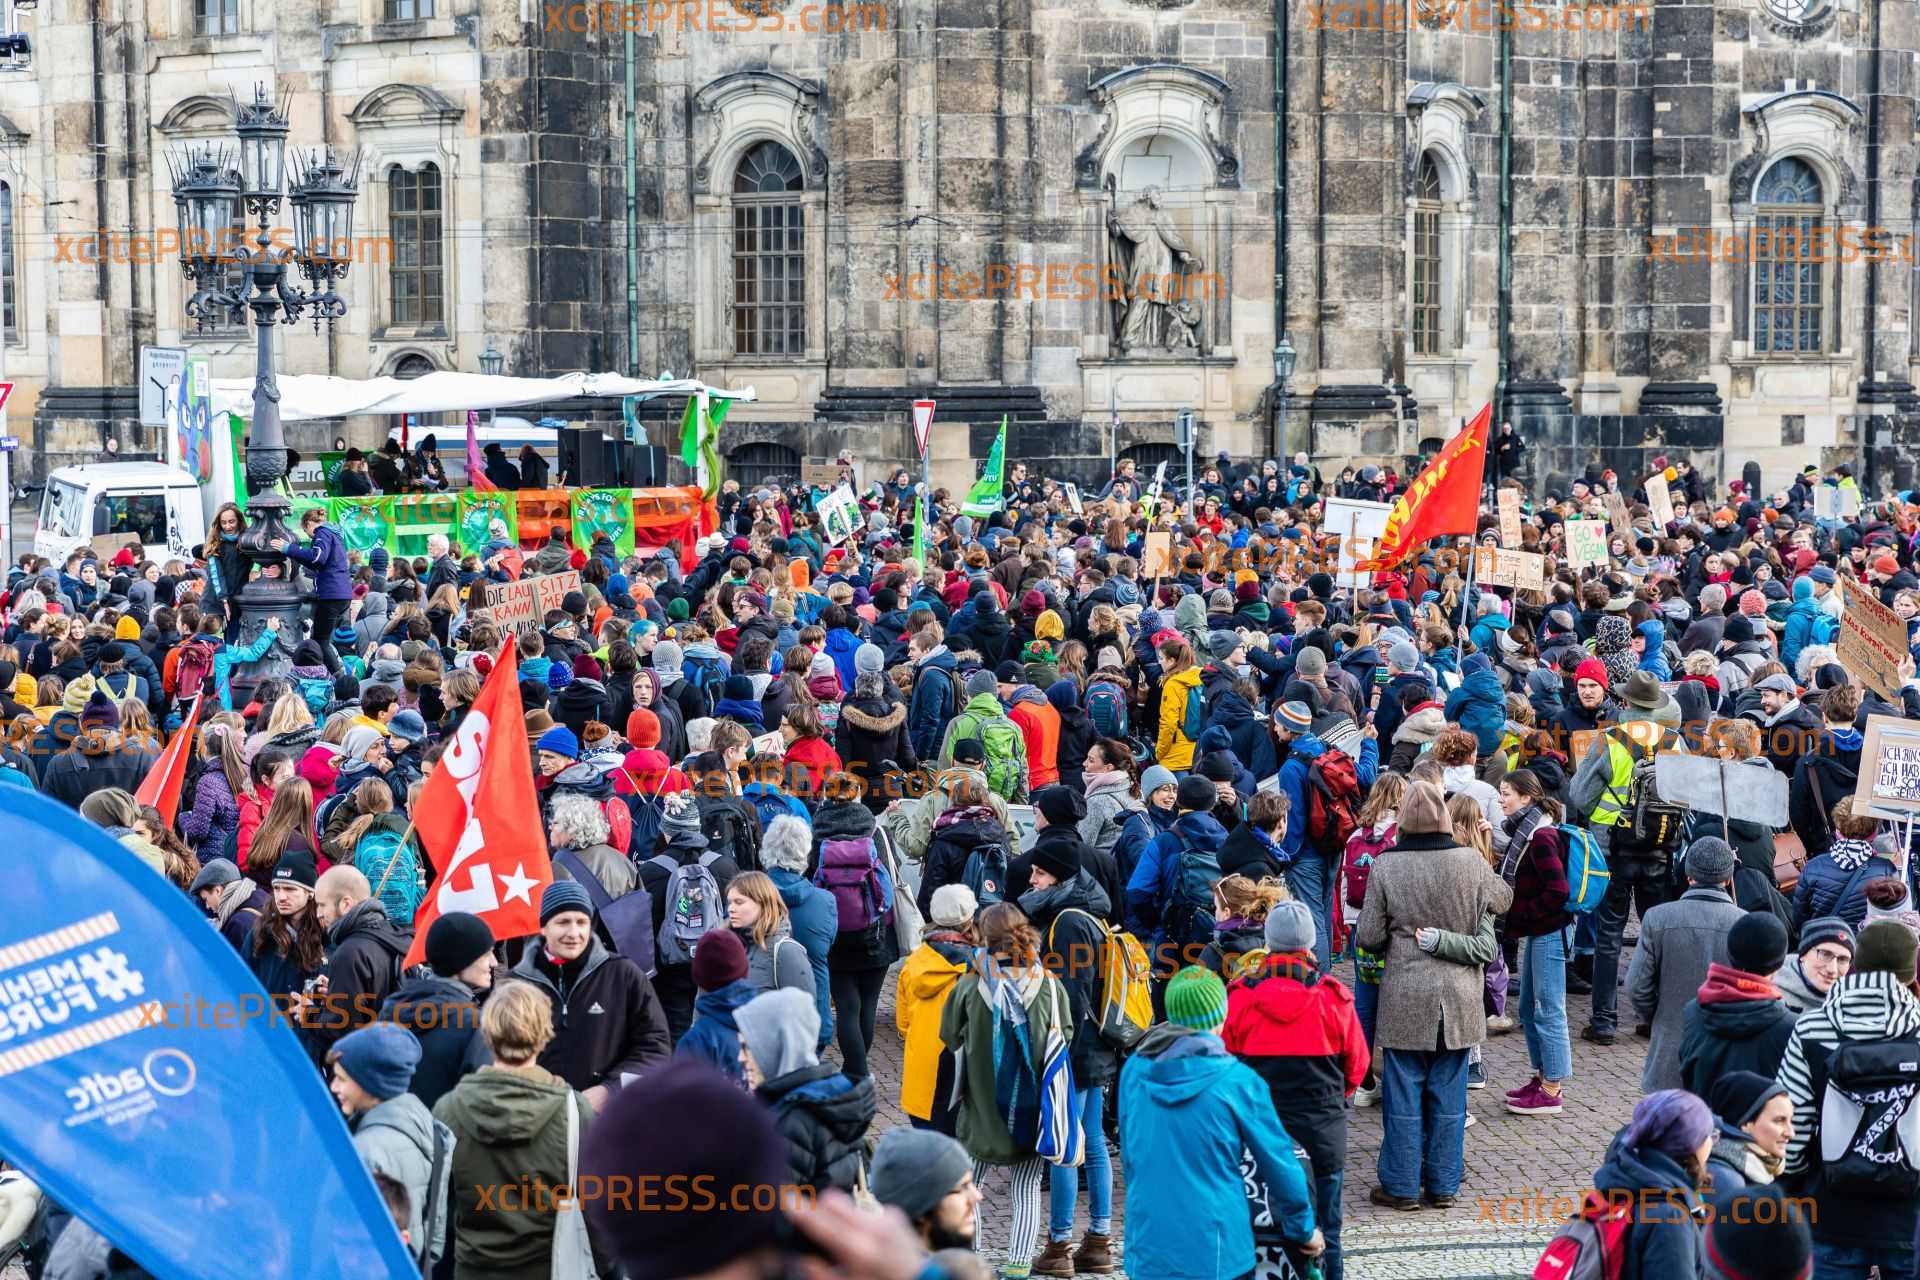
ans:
x=396 y=1138
x=781 y=963
x=1678 y=940
x=1427 y=881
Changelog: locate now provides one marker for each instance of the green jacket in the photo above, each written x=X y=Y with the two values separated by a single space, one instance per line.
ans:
x=508 y=1130
x=966 y=1024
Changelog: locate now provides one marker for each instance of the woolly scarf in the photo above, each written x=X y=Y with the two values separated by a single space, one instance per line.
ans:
x=1016 y=1086
x=1298 y=965
x=1850 y=855
x=1111 y=778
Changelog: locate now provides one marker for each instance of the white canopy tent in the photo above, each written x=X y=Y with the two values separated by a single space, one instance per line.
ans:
x=305 y=396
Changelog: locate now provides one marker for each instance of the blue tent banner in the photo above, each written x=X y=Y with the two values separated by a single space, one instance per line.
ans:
x=144 y=1086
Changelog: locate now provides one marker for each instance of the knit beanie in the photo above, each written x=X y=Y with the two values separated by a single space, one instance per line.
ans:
x=1826 y=929
x=643 y=728
x=379 y=1057
x=1290 y=927
x=1402 y=656
x=953 y=906
x=1311 y=664
x=1711 y=861
x=980 y=682
x=1757 y=943
x=915 y=1169
x=1058 y=858
x=456 y=940
x=561 y=741
x=1062 y=806
x=690 y=1124
x=1295 y=717
x=1197 y=1000
x=1885 y=946
x=1592 y=669
x=718 y=958
x=680 y=820
x=1196 y=795
x=868 y=659
x=1737 y=1096
x=564 y=895
x=1758 y=1232
x=1423 y=811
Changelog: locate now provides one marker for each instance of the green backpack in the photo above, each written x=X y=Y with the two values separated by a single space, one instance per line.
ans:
x=999 y=740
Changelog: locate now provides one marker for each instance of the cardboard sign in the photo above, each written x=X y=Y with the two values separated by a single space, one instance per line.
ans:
x=1357 y=526
x=1618 y=516
x=1509 y=517
x=1073 y=498
x=769 y=746
x=1889 y=768
x=840 y=515
x=820 y=475
x=1873 y=640
x=1660 y=501
x=1728 y=788
x=1159 y=558
x=1645 y=732
x=522 y=605
x=1586 y=543
x=1489 y=569
x=1526 y=569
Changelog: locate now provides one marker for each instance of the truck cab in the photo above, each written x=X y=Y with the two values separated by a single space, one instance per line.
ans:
x=104 y=505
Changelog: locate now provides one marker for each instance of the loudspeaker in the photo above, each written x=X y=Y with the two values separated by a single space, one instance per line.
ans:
x=590 y=460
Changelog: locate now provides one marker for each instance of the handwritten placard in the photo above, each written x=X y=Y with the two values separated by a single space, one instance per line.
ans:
x=1873 y=640
x=1586 y=543
x=1159 y=558
x=1509 y=517
x=522 y=605
x=1889 y=768
x=1660 y=501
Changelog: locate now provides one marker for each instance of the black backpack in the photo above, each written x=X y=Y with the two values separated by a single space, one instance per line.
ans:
x=1655 y=827
x=1869 y=1125
x=729 y=831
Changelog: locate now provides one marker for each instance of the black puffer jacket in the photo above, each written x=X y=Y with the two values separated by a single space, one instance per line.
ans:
x=444 y=1015
x=823 y=1116
x=872 y=739
x=950 y=846
x=583 y=700
x=365 y=952
x=1066 y=917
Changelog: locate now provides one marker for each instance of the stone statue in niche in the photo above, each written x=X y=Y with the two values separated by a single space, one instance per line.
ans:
x=1153 y=274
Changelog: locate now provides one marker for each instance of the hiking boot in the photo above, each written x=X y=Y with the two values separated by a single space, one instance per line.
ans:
x=1532 y=1083
x=1476 y=1076
x=1501 y=1024
x=1535 y=1101
x=1387 y=1200
x=1644 y=1030
x=1055 y=1260
x=1577 y=985
x=1593 y=1036
x=1437 y=1202
x=1094 y=1257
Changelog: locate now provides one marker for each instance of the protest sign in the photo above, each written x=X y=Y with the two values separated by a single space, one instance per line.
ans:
x=1526 y=570
x=820 y=475
x=1826 y=502
x=1873 y=640
x=521 y=606
x=1159 y=558
x=1586 y=543
x=768 y=746
x=839 y=515
x=1509 y=517
x=1728 y=788
x=1889 y=768
x=1489 y=568
x=1618 y=516
x=1358 y=526
x=1660 y=501
x=138 y=1052
x=1073 y=498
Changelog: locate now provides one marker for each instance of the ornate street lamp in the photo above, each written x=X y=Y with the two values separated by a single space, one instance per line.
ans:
x=209 y=191
x=1283 y=361
x=492 y=363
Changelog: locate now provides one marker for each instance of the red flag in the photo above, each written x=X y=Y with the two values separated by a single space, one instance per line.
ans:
x=1444 y=499
x=476 y=470
x=161 y=787
x=479 y=821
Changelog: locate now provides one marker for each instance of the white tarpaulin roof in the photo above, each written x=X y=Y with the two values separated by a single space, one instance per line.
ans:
x=311 y=395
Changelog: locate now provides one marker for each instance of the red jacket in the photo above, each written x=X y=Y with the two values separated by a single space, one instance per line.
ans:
x=1306 y=1042
x=817 y=758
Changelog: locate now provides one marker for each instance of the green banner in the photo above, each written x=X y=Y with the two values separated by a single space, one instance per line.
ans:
x=920 y=530
x=478 y=510
x=608 y=511
x=414 y=517
x=364 y=523
x=331 y=465
x=988 y=494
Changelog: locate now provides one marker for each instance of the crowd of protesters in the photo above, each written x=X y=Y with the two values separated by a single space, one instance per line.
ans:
x=1354 y=831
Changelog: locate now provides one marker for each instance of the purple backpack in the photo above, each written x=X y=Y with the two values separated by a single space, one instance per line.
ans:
x=850 y=872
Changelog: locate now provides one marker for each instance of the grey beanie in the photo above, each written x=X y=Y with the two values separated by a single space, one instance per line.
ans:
x=680 y=820
x=1221 y=644
x=1404 y=656
x=982 y=681
x=1312 y=662
x=1290 y=927
x=1710 y=861
x=915 y=1169
x=868 y=659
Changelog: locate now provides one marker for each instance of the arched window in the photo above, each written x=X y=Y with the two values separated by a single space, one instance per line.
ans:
x=414 y=221
x=1789 y=276
x=756 y=464
x=769 y=254
x=9 y=275
x=1426 y=259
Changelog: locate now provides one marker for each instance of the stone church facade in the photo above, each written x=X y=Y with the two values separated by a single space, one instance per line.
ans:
x=1661 y=227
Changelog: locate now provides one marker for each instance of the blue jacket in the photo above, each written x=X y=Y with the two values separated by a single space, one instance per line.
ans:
x=1801 y=616
x=1152 y=880
x=1479 y=706
x=816 y=923
x=1293 y=784
x=1387 y=719
x=932 y=705
x=326 y=557
x=1135 y=836
x=227 y=655
x=1664 y=1240
x=1822 y=882
x=841 y=646
x=1485 y=633
x=713 y=1037
x=1192 y=1109
x=769 y=802
x=1654 y=660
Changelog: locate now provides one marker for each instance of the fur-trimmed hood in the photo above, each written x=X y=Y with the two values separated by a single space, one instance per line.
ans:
x=867 y=722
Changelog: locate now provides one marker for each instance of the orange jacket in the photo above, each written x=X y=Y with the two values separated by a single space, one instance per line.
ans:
x=1040 y=727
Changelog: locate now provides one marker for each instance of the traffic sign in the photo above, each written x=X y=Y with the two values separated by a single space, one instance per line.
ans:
x=9 y=443
x=159 y=367
x=922 y=423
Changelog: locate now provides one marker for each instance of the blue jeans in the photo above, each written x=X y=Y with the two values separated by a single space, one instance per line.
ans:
x=1063 y=1184
x=1423 y=1095
x=1583 y=934
x=1307 y=880
x=1326 y=1212
x=1851 y=1262
x=1543 y=1004
x=1366 y=1006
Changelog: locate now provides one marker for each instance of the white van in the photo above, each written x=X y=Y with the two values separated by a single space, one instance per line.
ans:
x=104 y=504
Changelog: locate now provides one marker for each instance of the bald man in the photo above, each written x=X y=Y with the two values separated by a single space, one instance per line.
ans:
x=365 y=951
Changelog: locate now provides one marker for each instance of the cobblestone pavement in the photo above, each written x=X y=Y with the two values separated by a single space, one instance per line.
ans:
x=1496 y=1230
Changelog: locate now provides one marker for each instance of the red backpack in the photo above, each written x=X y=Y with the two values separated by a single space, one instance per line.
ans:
x=1591 y=1245
x=1333 y=802
x=193 y=673
x=1363 y=848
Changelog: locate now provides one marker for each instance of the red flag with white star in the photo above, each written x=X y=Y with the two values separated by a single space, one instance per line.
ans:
x=479 y=821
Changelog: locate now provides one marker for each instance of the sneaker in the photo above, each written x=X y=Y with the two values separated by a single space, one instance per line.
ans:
x=1364 y=1097
x=1501 y=1024
x=1588 y=1033
x=1471 y=1121
x=1531 y=1084
x=1476 y=1076
x=1055 y=1260
x=1387 y=1200
x=1536 y=1101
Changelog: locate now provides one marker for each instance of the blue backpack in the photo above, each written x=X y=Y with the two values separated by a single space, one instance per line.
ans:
x=1189 y=915
x=1824 y=630
x=707 y=676
x=390 y=866
x=626 y=921
x=769 y=805
x=1194 y=718
x=1587 y=874
x=1107 y=709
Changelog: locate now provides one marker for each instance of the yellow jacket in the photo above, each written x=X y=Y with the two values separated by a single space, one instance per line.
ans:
x=1172 y=748
x=926 y=980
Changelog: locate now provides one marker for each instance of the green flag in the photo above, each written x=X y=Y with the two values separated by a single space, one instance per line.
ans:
x=690 y=433
x=920 y=530
x=988 y=493
x=697 y=442
x=608 y=511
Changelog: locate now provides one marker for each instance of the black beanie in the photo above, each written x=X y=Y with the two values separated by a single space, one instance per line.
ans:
x=1737 y=1096
x=1758 y=1233
x=1757 y=943
x=1196 y=794
x=455 y=941
x=1216 y=766
x=1062 y=806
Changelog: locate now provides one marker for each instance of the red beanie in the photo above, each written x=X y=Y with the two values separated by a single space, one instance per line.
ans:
x=643 y=728
x=1886 y=563
x=1753 y=604
x=1591 y=669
